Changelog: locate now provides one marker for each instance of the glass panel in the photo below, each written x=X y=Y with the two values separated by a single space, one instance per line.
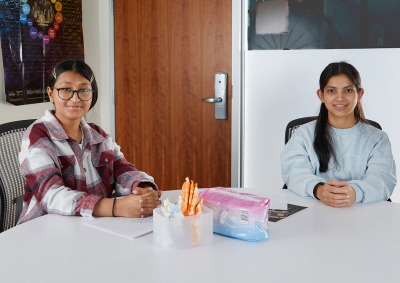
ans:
x=323 y=24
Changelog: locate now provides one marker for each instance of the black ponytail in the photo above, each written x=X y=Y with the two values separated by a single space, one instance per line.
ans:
x=323 y=140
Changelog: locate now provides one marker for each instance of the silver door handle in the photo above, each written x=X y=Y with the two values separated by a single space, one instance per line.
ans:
x=212 y=99
x=220 y=98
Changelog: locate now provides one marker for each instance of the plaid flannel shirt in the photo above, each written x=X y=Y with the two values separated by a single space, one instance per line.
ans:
x=61 y=177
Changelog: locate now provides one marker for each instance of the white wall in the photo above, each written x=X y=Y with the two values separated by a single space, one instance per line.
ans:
x=281 y=85
x=99 y=55
x=98 y=41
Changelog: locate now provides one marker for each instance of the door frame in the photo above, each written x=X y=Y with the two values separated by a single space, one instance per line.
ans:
x=239 y=43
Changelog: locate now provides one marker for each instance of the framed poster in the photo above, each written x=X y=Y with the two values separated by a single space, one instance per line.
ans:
x=35 y=36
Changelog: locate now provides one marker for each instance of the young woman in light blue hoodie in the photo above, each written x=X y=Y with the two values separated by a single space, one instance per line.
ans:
x=339 y=159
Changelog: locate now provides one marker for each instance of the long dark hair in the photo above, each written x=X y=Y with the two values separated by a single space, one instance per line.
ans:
x=78 y=67
x=323 y=144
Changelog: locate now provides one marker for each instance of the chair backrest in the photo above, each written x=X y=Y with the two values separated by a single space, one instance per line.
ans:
x=11 y=181
x=293 y=125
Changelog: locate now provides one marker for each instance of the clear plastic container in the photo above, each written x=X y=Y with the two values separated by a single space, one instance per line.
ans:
x=175 y=233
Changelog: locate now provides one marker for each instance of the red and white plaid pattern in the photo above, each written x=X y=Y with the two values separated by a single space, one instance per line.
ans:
x=62 y=178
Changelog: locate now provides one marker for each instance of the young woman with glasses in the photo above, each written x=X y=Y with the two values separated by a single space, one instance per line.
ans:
x=339 y=159
x=72 y=167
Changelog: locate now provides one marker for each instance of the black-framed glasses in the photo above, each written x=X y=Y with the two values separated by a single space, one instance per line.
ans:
x=84 y=94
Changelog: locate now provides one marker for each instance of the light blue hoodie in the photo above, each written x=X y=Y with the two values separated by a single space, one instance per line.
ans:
x=364 y=159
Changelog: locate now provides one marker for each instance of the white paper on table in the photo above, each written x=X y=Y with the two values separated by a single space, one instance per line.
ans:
x=130 y=228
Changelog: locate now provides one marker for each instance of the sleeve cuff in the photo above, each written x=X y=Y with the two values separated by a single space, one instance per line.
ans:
x=359 y=192
x=146 y=183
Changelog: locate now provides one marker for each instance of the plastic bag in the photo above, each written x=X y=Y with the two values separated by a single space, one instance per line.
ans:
x=236 y=214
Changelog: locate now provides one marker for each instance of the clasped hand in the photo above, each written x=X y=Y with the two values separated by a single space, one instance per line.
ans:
x=336 y=194
x=140 y=203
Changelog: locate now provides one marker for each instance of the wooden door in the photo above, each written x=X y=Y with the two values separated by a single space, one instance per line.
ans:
x=166 y=54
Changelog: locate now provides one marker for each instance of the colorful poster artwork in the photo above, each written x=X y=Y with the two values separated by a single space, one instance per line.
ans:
x=35 y=36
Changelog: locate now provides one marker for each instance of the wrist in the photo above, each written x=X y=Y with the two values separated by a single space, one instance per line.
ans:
x=315 y=191
x=114 y=207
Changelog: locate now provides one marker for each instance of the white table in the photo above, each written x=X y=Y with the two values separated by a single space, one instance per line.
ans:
x=318 y=244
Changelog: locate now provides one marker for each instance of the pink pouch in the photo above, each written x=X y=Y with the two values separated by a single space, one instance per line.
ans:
x=236 y=214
